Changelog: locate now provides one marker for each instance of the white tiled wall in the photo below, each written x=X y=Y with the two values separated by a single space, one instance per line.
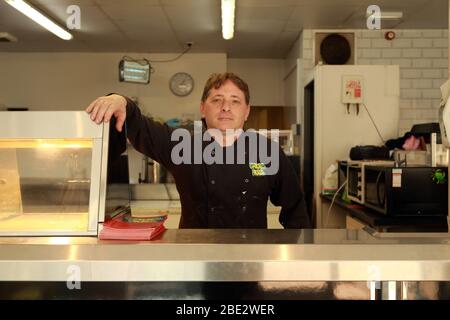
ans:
x=423 y=59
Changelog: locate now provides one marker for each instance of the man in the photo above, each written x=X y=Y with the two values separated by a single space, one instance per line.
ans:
x=219 y=194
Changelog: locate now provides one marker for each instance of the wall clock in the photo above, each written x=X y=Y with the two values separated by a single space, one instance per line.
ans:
x=181 y=84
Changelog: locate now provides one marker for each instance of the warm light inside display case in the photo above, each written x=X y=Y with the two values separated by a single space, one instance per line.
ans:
x=45 y=184
x=45 y=143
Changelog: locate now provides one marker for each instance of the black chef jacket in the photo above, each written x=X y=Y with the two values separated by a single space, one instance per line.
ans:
x=220 y=195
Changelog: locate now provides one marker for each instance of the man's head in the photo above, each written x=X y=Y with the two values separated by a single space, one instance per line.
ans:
x=225 y=102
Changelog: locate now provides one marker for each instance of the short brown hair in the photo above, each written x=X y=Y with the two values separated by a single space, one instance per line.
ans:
x=216 y=80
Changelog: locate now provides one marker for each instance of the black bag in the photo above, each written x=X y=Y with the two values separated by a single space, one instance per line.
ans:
x=369 y=153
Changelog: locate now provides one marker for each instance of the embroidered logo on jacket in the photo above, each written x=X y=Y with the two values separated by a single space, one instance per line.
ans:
x=258 y=169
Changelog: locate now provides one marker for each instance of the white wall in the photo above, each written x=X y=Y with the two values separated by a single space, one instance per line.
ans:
x=293 y=97
x=294 y=53
x=290 y=74
x=290 y=79
x=70 y=81
x=264 y=77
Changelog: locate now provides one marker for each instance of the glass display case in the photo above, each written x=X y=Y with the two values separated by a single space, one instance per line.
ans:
x=53 y=168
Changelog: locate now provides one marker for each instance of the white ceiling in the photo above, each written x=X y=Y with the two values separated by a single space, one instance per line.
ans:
x=263 y=28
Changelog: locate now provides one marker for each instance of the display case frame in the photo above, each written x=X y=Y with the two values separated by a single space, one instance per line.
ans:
x=19 y=125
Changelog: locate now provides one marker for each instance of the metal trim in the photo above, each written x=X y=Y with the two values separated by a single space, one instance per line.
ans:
x=47 y=125
x=94 y=200
x=103 y=173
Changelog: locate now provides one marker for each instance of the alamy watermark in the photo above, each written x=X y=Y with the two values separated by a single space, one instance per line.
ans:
x=262 y=159
x=373 y=17
x=74 y=277
x=74 y=19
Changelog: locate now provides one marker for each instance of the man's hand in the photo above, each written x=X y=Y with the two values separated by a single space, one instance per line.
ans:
x=103 y=108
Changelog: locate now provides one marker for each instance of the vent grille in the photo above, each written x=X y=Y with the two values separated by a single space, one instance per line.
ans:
x=7 y=37
x=321 y=35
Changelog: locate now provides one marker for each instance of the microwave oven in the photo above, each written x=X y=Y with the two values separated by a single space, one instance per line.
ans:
x=355 y=177
x=406 y=191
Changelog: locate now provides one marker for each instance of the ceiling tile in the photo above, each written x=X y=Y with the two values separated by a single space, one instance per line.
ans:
x=191 y=3
x=263 y=28
x=64 y=3
x=126 y=3
x=205 y=19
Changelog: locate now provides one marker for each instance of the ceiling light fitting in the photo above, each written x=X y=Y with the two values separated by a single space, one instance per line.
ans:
x=228 y=8
x=39 y=18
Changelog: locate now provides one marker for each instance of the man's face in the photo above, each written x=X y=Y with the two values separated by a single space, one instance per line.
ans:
x=225 y=108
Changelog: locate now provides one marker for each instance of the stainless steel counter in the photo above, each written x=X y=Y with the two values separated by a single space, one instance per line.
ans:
x=231 y=255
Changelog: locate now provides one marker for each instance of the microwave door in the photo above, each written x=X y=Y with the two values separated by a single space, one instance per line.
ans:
x=381 y=193
x=381 y=190
x=375 y=187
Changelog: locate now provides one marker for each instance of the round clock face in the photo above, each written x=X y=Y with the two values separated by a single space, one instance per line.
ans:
x=181 y=84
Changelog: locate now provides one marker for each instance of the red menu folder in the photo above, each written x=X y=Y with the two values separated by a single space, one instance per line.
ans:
x=121 y=229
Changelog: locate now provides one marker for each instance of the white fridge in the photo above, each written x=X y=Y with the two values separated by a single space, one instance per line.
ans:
x=329 y=130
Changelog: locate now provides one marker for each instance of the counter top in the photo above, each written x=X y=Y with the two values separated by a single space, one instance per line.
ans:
x=232 y=255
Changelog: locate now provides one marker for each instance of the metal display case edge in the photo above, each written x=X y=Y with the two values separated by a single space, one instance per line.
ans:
x=29 y=125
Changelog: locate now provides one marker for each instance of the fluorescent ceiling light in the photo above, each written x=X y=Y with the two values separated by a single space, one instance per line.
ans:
x=386 y=15
x=39 y=18
x=228 y=7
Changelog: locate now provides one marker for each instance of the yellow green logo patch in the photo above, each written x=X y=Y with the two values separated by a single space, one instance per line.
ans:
x=258 y=169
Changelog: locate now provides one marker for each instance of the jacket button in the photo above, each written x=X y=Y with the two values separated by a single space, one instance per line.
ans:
x=244 y=208
x=213 y=181
x=246 y=180
x=212 y=209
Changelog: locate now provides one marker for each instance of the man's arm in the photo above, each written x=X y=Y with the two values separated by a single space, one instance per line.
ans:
x=147 y=136
x=288 y=194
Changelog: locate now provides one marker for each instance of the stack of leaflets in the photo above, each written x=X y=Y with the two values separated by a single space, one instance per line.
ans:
x=126 y=227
